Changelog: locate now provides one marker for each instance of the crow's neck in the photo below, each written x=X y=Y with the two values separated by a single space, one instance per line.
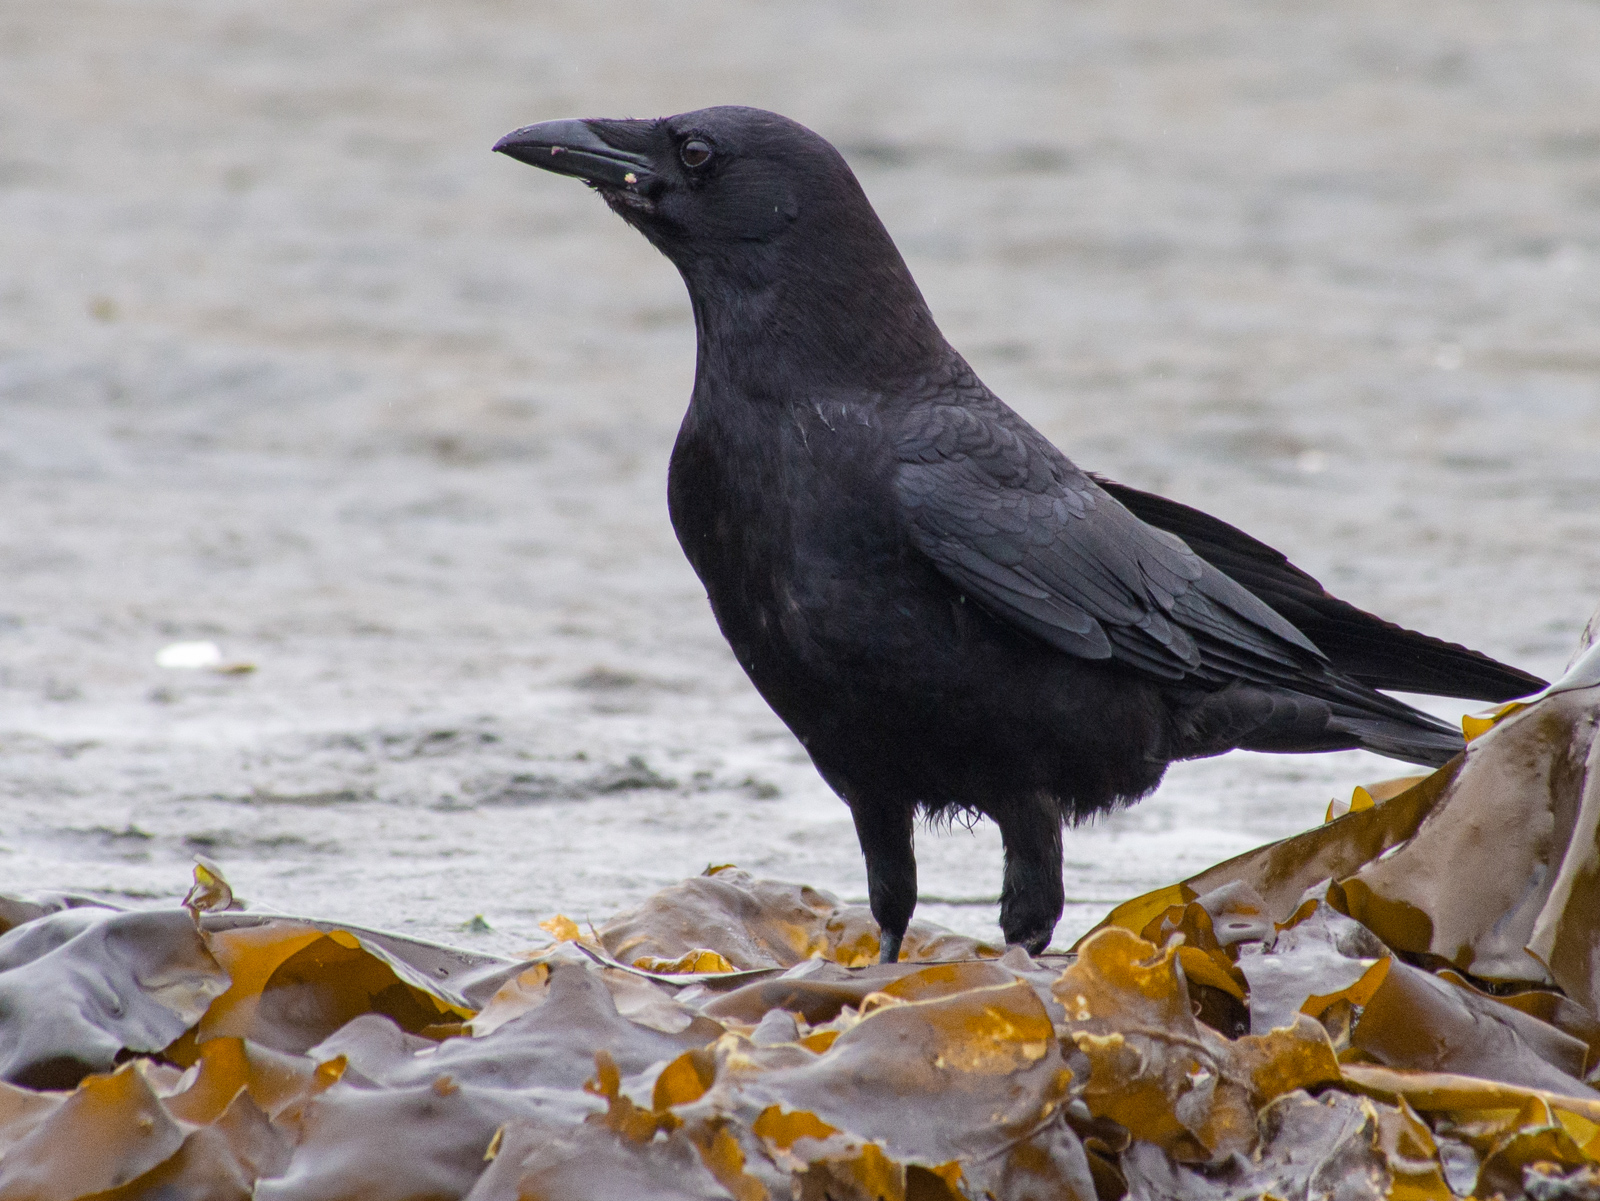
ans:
x=828 y=324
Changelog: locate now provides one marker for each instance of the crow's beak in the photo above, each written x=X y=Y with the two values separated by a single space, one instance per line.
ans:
x=574 y=148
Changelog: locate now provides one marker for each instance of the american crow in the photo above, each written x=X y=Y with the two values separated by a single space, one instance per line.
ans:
x=949 y=614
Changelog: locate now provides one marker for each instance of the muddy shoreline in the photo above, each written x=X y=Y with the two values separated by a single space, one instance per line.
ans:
x=289 y=362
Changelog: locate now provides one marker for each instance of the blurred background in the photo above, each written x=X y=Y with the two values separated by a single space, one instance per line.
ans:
x=291 y=364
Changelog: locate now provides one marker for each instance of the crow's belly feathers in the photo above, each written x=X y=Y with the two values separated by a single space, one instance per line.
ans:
x=904 y=691
x=937 y=703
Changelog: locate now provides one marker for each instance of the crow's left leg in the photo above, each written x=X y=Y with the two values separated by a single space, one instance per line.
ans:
x=884 y=831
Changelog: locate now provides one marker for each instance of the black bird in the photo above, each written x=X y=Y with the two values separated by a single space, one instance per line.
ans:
x=949 y=614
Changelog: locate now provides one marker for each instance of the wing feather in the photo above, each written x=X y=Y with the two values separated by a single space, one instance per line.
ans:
x=1012 y=522
x=1378 y=653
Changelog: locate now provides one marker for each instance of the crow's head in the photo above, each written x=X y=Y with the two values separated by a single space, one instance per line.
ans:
x=764 y=219
x=699 y=181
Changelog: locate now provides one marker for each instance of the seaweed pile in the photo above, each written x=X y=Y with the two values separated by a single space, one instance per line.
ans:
x=1402 y=1002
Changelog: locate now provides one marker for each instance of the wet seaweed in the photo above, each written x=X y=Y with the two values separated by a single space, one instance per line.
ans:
x=1400 y=1003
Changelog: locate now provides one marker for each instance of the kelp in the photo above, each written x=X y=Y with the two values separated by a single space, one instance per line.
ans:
x=760 y=924
x=1399 y=1003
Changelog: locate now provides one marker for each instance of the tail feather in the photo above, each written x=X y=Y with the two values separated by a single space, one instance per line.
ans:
x=1255 y=718
x=1363 y=647
x=1394 y=740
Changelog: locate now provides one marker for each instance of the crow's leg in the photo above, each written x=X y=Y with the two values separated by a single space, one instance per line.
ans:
x=884 y=831
x=1031 y=898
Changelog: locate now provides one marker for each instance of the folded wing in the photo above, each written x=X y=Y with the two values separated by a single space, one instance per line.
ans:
x=1360 y=645
x=1010 y=521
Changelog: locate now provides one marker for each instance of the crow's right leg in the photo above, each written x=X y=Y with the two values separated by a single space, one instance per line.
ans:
x=884 y=831
x=1031 y=898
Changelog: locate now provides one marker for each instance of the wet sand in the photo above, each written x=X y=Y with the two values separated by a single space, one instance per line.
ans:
x=289 y=362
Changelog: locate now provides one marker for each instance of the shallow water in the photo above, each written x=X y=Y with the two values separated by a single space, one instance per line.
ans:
x=291 y=363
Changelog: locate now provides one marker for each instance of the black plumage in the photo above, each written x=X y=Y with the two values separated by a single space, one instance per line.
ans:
x=947 y=612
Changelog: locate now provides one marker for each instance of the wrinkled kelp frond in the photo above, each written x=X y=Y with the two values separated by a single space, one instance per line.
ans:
x=1399 y=1003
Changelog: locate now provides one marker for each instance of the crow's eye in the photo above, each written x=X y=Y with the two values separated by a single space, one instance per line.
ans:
x=695 y=153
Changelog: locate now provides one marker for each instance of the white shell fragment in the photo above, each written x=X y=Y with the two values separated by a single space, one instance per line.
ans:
x=189 y=656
